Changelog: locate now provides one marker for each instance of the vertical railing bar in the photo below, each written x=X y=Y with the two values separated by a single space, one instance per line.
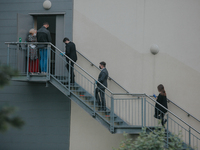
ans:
x=49 y=58
x=112 y=114
x=189 y=136
x=142 y=111
x=94 y=98
x=27 y=67
x=167 y=130
x=130 y=111
x=8 y=55
x=69 y=83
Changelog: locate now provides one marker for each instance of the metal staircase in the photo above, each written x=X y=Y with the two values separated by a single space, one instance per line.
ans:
x=125 y=112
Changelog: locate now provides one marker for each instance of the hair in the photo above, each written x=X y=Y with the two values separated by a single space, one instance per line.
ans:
x=103 y=64
x=161 y=89
x=65 y=39
x=45 y=23
x=32 y=31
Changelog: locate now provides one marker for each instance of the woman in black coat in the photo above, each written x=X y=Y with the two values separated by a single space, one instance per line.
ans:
x=162 y=99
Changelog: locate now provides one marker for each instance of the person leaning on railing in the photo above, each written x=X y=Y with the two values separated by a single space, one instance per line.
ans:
x=33 y=54
x=162 y=99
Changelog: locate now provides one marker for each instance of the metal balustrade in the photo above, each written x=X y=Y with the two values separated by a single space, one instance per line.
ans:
x=124 y=111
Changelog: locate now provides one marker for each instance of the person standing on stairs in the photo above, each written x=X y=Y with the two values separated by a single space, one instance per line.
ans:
x=71 y=53
x=103 y=76
x=162 y=99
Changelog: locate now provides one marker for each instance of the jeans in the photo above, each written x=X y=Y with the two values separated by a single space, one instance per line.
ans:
x=43 y=60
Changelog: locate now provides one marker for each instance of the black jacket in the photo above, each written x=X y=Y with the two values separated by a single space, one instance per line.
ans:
x=71 y=51
x=103 y=76
x=163 y=101
x=43 y=35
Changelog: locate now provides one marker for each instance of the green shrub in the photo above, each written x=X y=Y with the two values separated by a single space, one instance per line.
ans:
x=154 y=140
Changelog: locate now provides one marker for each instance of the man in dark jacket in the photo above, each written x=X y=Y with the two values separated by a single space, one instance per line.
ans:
x=71 y=53
x=43 y=35
x=103 y=76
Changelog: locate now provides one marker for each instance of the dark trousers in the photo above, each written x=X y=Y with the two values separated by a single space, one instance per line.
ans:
x=71 y=71
x=159 y=115
x=101 y=102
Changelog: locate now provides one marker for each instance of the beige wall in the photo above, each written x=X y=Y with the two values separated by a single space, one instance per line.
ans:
x=88 y=134
x=122 y=32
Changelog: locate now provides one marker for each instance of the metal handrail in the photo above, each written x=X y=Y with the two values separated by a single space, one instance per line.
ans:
x=102 y=84
x=82 y=68
x=136 y=94
x=181 y=109
x=172 y=114
x=63 y=55
x=99 y=69
x=133 y=94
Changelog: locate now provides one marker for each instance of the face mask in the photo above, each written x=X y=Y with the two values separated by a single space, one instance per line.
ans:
x=34 y=34
x=100 y=67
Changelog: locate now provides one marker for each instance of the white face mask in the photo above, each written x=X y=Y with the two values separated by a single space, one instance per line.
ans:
x=34 y=34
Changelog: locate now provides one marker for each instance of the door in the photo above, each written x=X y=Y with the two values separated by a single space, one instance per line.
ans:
x=24 y=24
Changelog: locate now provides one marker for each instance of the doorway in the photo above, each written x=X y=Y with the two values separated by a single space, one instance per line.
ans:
x=38 y=23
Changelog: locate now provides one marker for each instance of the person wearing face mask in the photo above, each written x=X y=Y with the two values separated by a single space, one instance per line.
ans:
x=33 y=54
x=102 y=78
x=43 y=35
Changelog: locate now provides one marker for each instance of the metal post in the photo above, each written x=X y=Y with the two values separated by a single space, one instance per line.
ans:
x=94 y=99
x=112 y=114
x=145 y=112
x=27 y=67
x=8 y=57
x=142 y=111
x=189 y=136
x=48 y=60
x=69 y=75
x=167 y=130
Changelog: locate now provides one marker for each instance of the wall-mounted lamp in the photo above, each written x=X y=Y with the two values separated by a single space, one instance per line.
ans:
x=47 y=4
x=154 y=49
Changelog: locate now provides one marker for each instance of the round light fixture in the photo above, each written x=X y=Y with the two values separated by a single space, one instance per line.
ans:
x=154 y=49
x=47 y=4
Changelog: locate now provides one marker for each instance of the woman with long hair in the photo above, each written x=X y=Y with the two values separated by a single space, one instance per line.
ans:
x=161 y=99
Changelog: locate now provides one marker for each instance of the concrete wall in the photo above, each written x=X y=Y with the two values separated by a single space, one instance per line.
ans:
x=46 y=112
x=122 y=32
x=88 y=134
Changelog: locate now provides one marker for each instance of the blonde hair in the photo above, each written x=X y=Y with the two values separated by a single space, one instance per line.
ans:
x=31 y=31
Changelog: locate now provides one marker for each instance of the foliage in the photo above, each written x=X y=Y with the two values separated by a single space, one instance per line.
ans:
x=6 y=118
x=154 y=140
x=6 y=112
x=6 y=73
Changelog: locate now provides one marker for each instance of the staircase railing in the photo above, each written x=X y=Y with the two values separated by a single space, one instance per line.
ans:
x=137 y=110
x=125 y=90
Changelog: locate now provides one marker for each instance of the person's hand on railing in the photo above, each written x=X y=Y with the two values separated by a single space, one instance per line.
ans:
x=62 y=54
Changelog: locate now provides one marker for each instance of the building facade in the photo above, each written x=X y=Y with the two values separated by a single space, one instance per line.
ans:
x=119 y=32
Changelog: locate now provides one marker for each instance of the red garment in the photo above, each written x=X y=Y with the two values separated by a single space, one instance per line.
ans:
x=33 y=65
